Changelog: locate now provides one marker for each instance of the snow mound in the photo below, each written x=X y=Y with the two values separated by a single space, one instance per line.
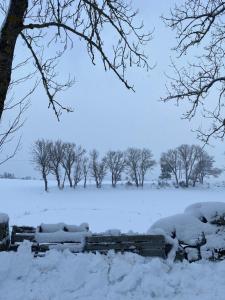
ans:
x=184 y=227
x=4 y=218
x=50 y=228
x=61 y=236
x=212 y=212
x=62 y=275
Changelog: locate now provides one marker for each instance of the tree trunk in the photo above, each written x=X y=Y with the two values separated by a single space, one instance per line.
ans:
x=113 y=180
x=70 y=180
x=11 y=27
x=85 y=181
x=45 y=181
x=176 y=178
x=58 y=180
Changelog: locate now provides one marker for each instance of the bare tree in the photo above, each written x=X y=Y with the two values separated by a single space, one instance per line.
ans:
x=146 y=164
x=138 y=162
x=200 y=24
x=68 y=160
x=132 y=161
x=56 y=158
x=170 y=164
x=60 y=24
x=188 y=162
x=204 y=167
x=85 y=167
x=41 y=159
x=188 y=155
x=116 y=163
x=78 y=165
x=98 y=168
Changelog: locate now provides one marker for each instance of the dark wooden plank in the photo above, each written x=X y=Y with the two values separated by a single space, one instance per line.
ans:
x=153 y=253
x=125 y=238
x=21 y=229
x=18 y=238
x=123 y=246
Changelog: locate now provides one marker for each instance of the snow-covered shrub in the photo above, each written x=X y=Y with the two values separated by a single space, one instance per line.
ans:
x=185 y=228
x=198 y=233
x=211 y=212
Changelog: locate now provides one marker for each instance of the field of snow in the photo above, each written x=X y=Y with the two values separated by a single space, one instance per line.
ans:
x=124 y=208
x=65 y=276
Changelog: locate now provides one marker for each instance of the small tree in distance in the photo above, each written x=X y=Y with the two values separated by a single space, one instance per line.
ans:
x=138 y=163
x=68 y=160
x=115 y=161
x=78 y=165
x=188 y=163
x=41 y=158
x=56 y=157
x=85 y=167
x=98 y=168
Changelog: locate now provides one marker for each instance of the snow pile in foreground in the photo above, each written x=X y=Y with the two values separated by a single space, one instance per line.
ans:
x=62 y=275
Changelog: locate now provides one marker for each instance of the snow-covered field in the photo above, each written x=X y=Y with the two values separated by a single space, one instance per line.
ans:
x=65 y=276
x=124 y=208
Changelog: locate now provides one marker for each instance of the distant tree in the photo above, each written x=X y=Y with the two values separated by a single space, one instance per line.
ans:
x=68 y=160
x=85 y=167
x=41 y=159
x=132 y=162
x=115 y=161
x=7 y=175
x=190 y=163
x=146 y=164
x=170 y=165
x=204 y=167
x=138 y=162
x=188 y=155
x=56 y=158
x=78 y=165
x=98 y=168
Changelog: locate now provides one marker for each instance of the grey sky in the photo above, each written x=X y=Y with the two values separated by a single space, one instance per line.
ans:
x=108 y=116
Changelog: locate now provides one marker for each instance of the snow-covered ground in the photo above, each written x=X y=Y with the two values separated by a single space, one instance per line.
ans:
x=65 y=276
x=124 y=208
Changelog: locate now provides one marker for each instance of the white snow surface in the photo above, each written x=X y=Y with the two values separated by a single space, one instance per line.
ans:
x=61 y=236
x=65 y=276
x=48 y=228
x=61 y=275
x=123 y=208
x=211 y=211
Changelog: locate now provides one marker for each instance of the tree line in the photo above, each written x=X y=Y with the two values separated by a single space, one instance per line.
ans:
x=185 y=165
x=68 y=161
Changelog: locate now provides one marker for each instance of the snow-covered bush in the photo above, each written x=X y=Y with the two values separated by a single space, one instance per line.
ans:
x=211 y=212
x=198 y=233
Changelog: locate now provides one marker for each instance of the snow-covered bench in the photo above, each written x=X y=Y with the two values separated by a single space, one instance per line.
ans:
x=48 y=236
x=79 y=239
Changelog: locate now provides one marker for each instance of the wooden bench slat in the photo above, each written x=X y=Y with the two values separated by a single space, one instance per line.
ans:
x=153 y=253
x=123 y=246
x=126 y=238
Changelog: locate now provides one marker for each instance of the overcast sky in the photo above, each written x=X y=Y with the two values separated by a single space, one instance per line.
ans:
x=108 y=116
